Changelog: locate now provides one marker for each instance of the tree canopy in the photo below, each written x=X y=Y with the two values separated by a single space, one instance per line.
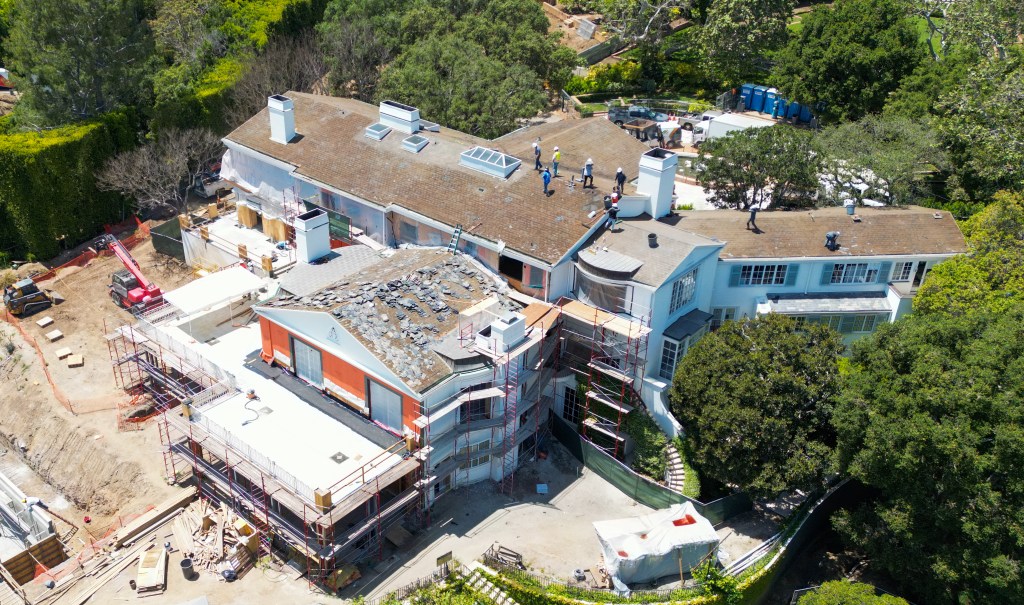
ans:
x=755 y=398
x=476 y=66
x=848 y=57
x=888 y=155
x=991 y=278
x=931 y=417
x=739 y=33
x=82 y=58
x=841 y=592
x=775 y=165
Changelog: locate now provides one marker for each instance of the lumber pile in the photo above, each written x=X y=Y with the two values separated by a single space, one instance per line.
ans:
x=216 y=539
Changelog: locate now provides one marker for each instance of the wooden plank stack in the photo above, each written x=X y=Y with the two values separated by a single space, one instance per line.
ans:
x=214 y=538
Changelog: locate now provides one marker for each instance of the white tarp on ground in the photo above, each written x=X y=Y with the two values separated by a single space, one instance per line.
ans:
x=643 y=549
x=214 y=289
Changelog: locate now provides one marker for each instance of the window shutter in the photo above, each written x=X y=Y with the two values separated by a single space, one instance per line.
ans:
x=883 y=272
x=791 y=273
x=734 y=275
x=826 y=274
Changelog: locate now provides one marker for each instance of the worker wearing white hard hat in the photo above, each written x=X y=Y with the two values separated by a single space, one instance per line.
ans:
x=620 y=179
x=588 y=173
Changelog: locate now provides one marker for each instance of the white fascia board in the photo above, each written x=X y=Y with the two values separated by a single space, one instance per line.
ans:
x=575 y=247
x=292 y=320
x=266 y=159
x=851 y=258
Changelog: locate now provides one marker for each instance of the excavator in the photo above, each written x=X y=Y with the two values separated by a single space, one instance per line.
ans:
x=24 y=298
x=129 y=288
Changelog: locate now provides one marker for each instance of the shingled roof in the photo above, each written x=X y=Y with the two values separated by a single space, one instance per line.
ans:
x=879 y=232
x=331 y=148
x=403 y=305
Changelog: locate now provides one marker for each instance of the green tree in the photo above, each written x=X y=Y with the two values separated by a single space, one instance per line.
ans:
x=641 y=22
x=452 y=80
x=78 y=58
x=841 y=592
x=737 y=34
x=181 y=32
x=848 y=57
x=889 y=155
x=991 y=278
x=755 y=398
x=981 y=126
x=931 y=80
x=931 y=418
x=990 y=26
x=775 y=166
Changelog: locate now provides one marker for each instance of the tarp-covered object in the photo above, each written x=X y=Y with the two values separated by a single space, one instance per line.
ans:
x=643 y=549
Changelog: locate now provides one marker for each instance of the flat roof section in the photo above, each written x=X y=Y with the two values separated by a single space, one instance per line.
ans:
x=282 y=431
x=226 y=234
x=848 y=302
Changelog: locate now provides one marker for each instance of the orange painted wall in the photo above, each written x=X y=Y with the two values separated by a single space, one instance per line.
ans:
x=336 y=370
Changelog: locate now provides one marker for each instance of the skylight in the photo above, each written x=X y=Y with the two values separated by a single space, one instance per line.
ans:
x=494 y=163
x=414 y=143
x=377 y=131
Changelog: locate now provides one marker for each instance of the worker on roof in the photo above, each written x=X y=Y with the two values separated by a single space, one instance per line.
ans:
x=536 y=157
x=546 y=177
x=588 y=173
x=613 y=212
x=620 y=180
x=555 y=159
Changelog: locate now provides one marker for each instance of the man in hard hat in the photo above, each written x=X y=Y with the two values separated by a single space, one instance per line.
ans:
x=588 y=173
x=536 y=157
x=620 y=179
x=555 y=159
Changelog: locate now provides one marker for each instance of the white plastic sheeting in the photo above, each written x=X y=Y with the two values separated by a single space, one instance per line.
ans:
x=643 y=549
x=214 y=289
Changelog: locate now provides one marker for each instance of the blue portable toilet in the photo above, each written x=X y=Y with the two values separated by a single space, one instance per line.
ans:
x=757 y=98
x=793 y=111
x=770 y=97
x=745 y=93
x=805 y=113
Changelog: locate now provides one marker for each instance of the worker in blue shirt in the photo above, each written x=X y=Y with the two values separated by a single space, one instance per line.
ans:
x=546 y=177
x=588 y=173
x=536 y=157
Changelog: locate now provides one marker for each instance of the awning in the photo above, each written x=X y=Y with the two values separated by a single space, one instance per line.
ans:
x=850 y=302
x=687 y=325
x=609 y=260
x=214 y=289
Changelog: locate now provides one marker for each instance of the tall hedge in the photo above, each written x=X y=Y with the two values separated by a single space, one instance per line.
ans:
x=48 y=195
x=201 y=102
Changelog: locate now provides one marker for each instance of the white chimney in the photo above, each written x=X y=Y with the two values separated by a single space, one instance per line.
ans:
x=403 y=118
x=312 y=235
x=282 y=118
x=657 y=179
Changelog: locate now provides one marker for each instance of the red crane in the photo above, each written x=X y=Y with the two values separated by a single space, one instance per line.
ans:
x=129 y=288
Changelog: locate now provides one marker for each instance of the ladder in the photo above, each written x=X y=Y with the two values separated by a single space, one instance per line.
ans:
x=456 y=235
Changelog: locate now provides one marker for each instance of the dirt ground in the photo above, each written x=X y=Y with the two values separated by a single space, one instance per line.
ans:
x=79 y=463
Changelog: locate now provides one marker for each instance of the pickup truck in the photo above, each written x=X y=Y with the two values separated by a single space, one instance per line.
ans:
x=620 y=115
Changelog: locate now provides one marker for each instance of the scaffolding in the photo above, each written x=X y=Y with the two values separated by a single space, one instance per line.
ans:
x=608 y=354
x=284 y=512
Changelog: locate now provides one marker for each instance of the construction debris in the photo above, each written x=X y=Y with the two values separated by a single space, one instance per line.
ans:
x=216 y=540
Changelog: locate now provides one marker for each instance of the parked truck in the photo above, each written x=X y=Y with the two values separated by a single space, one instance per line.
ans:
x=722 y=125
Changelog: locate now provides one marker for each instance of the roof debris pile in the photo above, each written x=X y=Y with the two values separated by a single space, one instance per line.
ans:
x=402 y=306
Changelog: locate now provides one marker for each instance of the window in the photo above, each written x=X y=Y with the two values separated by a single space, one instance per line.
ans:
x=720 y=315
x=572 y=408
x=856 y=273
x=846 y=324
x=536 y=277
x=682 y=290
x=903 y=271
x=475 y=460
x=472 y=411
x=672 y=351
x=763 y=275
x=610 y=297
x=409 y=232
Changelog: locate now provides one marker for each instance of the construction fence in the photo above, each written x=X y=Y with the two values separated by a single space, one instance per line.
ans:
x=638 y=487
x=167 y=239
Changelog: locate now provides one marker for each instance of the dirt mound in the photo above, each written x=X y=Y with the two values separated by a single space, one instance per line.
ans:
x=62 y=449
x=28 y=269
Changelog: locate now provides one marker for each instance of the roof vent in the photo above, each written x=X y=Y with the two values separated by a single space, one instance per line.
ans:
x=403 y=118
x=832 y=240
x=414 y=143
x=377 y=131
x=489 y=161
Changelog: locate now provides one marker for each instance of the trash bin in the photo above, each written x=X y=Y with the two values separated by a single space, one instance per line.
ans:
x=187 y=570
x=850 y=208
